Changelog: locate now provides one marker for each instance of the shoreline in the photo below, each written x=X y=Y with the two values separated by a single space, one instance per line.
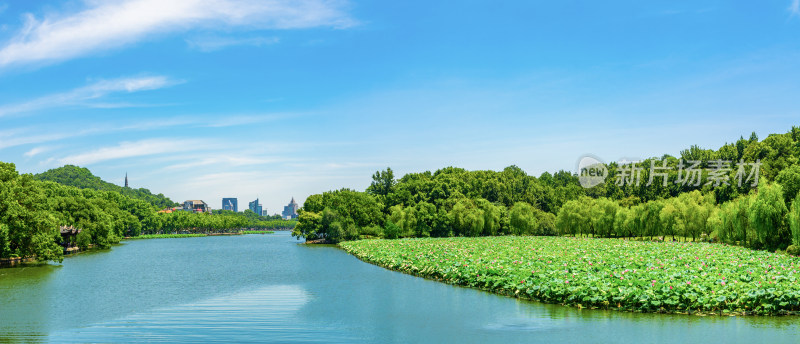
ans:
x=507 y=283
x=517 y=295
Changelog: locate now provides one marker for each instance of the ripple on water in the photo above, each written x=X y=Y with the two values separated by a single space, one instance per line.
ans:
x=264 y=314
x=525 y=325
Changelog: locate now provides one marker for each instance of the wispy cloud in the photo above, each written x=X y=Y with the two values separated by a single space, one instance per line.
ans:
x=208 y=44
x=36 y=151
x=225 y=160
x=232 y=121
x=83 y=95
x=794 y=7
x=19 y=140
x=133 y=149
x=107 y=25
x=24 y=136
x=31 y=135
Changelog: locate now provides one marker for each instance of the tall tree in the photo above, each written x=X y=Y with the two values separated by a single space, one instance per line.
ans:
x=382 y=182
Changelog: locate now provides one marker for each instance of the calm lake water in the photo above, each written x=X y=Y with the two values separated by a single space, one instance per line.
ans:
x=266 y=288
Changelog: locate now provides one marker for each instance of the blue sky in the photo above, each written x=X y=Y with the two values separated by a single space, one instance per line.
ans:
x=274 y=99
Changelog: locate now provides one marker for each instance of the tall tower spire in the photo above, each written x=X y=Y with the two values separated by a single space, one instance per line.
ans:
x=126 y=179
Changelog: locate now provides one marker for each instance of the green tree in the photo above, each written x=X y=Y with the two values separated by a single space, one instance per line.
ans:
x=670 y=218
x=573 y=218
x=766 y=216
x=603 y=213
x=491 y=216
x=30 y=230
x=522 y=219
x=382 y=182
x=392 y=231
x=623 y=222
x=466 y=218
x=790 y=181
x=794 y=220
x=308 y=225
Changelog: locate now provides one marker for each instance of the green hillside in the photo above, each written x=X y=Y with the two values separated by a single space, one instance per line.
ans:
x=83 y=178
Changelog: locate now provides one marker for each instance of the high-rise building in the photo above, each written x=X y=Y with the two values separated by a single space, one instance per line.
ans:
x=231 y=204
x=290 y=211
x=256 y=207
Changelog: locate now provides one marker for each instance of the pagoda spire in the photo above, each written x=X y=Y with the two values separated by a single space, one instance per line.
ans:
x=126 y=179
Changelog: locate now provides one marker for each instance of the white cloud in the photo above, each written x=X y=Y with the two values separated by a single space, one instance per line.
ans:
x=28 y=135
x=106 y=25
x=36 y=151
x=23 y=136
x=208 y=44
x=81 y=95
x=134 y=149
x=33 y=139
x=233 y=121
x=794 y=7
x=224 y=160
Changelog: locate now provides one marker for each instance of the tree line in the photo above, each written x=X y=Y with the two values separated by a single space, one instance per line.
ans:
x=456 y=202
x=33 y=210
x=82 y=178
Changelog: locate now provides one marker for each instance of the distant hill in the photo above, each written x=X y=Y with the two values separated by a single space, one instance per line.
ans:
x=83 y=178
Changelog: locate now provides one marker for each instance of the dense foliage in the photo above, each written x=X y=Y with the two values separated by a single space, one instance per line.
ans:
x=27 y=227
x=32 y=211
x=675 y=277
x=720 y=203
x=758 y=220
x=253 y=217
x=82 y=178
x=449 y=202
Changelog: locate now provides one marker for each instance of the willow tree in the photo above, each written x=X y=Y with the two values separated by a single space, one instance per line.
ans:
x=766 y=216
x=467 y=219
x=669 y=217
x=623 y=223
x=602 y=215
x=794 y=220
x=492 y=216
x=573 y=218
x=522 y=219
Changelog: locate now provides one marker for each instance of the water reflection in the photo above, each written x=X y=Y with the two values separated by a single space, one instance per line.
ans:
x=246 y=316
x=268 y=288
x=24 y=315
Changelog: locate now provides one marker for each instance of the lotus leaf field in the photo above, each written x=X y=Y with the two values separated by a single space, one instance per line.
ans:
x=641 y=276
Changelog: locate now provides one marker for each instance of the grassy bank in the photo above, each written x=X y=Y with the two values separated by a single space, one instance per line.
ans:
x=258 y=232
x=672 y=277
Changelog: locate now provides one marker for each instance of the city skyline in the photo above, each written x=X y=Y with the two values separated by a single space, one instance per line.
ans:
x=297 y=98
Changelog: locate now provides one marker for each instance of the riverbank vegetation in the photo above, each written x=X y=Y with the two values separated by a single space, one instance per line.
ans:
x=195 y=235
x=32 y=211
x=641 y=276
x=166 y=236
x=716 y=200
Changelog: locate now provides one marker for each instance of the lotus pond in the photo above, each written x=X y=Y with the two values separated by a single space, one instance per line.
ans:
x=670 y=277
